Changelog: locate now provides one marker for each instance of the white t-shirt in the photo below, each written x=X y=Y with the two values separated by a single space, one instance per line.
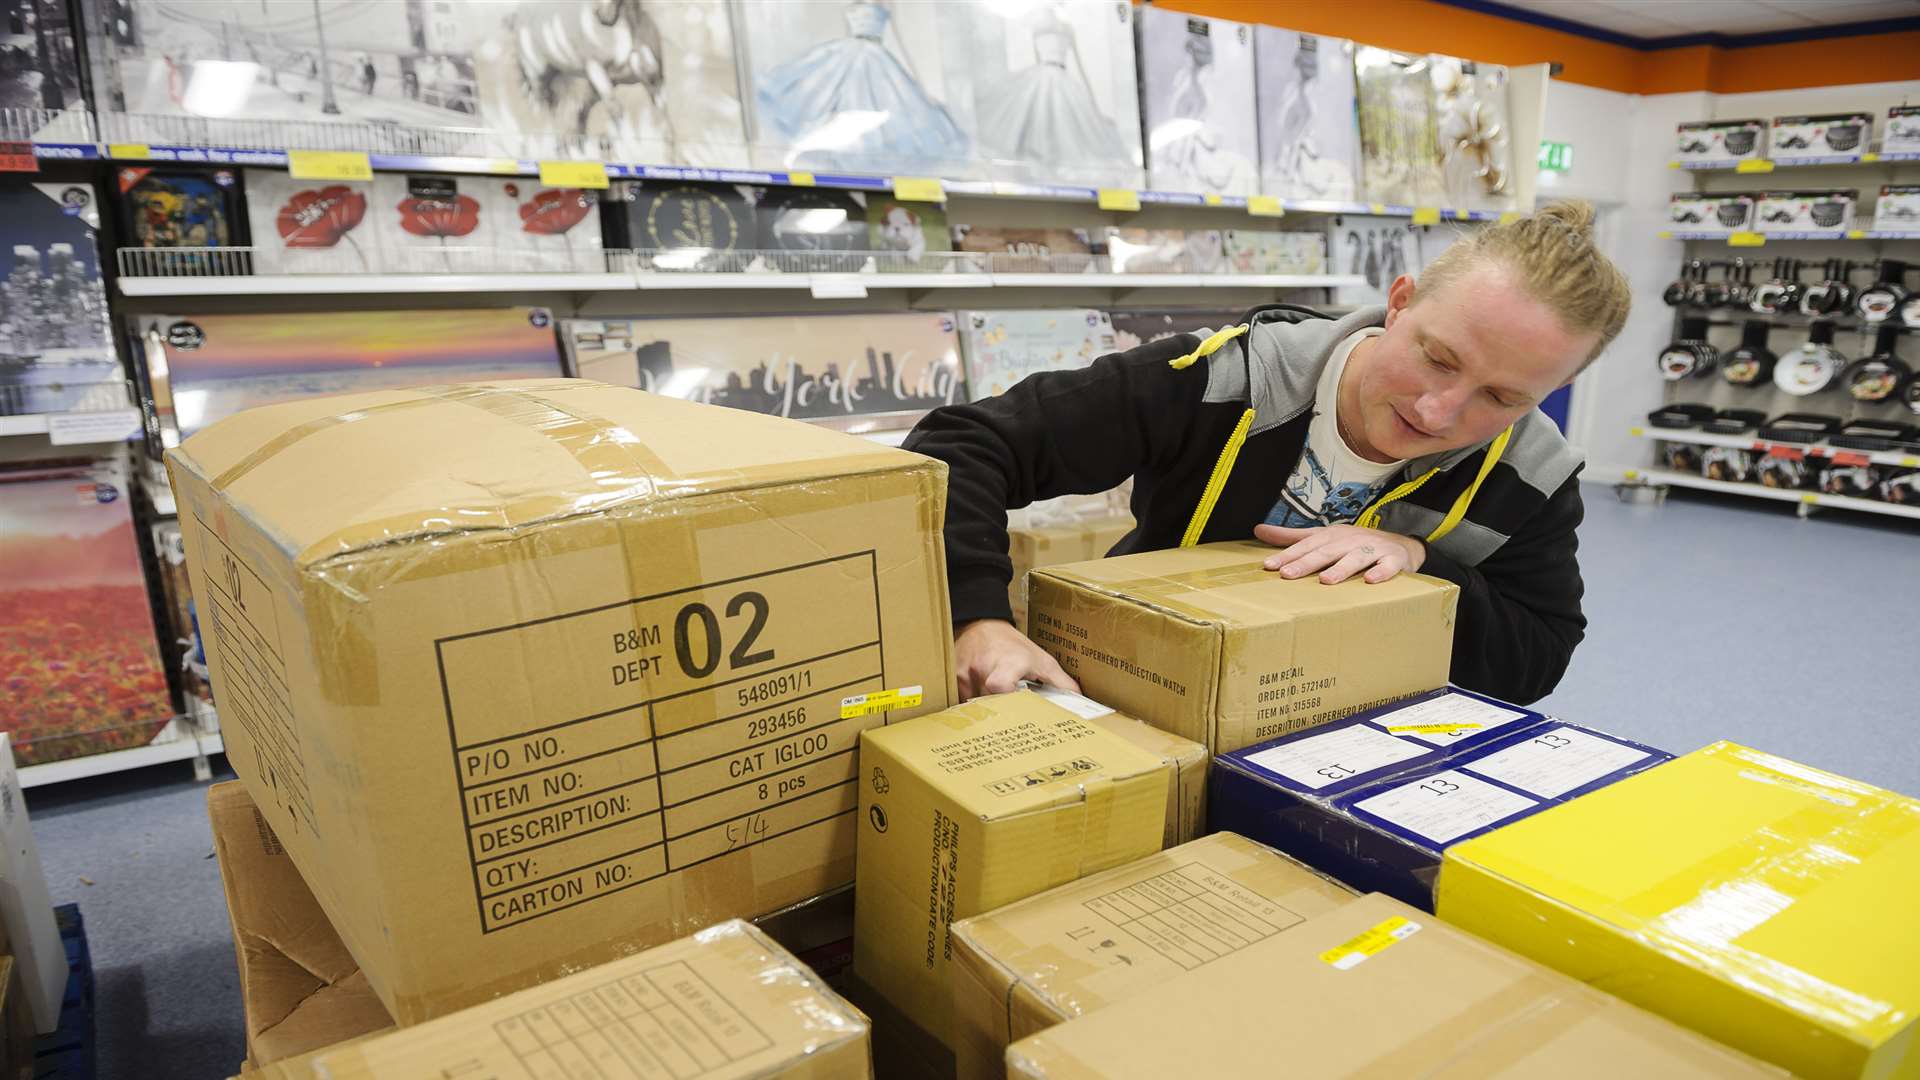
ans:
x=1330 y=484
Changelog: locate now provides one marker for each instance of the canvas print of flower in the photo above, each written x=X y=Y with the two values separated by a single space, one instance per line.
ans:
x=312 y=227
x=545 y=228
x=79 y=658
x=217 y=365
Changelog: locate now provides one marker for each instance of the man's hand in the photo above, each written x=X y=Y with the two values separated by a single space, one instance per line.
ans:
x=992 y=657
x=1337 y=552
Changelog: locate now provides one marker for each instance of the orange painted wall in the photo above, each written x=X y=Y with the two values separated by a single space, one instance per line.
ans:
x=1426 y=26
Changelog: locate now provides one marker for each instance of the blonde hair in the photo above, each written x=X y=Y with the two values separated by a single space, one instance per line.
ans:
x=1553 y=255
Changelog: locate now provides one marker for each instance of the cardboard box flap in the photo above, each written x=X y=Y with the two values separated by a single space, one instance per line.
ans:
x=1792 y=883
x=1010 y=754
x=724 y=1004
x=333 y=475
x=1226 y=584
x=1351 y=993
x=300 y=988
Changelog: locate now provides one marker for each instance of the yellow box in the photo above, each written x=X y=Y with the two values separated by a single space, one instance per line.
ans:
x=1761 y=902
x=973 y=808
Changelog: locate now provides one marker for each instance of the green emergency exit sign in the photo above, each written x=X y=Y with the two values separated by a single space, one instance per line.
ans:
x=1555 y=156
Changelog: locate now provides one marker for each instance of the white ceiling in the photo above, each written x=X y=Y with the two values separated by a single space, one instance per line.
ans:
x=1673 y=18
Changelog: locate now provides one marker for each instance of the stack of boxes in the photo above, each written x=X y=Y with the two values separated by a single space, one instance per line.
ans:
x=539 y=689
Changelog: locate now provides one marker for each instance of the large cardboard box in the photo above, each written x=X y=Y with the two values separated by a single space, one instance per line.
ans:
x=1084 y=945
x=26 y=907
x=300 y=989
x=1373 y=989
x=1031 y=547
x=529 y=675
x=1405 y=791
x=16 y=1024
x=724 y=1004
x=973 y=808
x=1761 y=902
x=1205 y=643
x=1186 y=762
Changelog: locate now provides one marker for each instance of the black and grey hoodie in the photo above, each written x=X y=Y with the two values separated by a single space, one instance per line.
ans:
x=1135 y=414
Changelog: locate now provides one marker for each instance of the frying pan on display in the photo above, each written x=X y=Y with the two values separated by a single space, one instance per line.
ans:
x=1739 y=142
x=1883 y=299
x=1751 y=364
x=1877 y=377
x=1784 y=471
x=1811 y=366
x=1729 y=464
x=1855 y=481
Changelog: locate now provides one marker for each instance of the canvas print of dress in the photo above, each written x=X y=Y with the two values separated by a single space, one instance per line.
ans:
x=1165 y=251
x=547 y=229
x=1309 y=132
x=1197 y=84
x=56 y=343
x=1004 y=347
x=857 y=87
x=312 y=226
x=217 y=365
x=1380 y=249
x=1470 y=124
x=80 y=664
x=1132 y=329
x=1399 y=158
x=855 y=373
x=1055 y=90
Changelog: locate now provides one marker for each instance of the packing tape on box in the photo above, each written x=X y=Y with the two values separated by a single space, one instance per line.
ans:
x=1536 y=1011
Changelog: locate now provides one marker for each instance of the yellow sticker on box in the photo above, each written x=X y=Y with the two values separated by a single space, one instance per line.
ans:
x=1356 y=950
x=1426 y=215
x=906 y=697
x=122 y=151
x=1430 y=729
x=1265 y=206
x=1119 y=199
x=573 y=174
x=918 y=189
x=329 y=165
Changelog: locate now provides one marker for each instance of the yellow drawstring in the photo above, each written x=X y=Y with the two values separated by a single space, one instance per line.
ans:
x=1370 y=518
x=1228 y=453
x=1218 y=339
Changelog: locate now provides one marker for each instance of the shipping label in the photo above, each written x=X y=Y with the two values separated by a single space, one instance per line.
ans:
x=1342 y=754
x=601 y=749
x=1445 y=806
x=1446 y=720
x=1190 y=915
x=1556 y=761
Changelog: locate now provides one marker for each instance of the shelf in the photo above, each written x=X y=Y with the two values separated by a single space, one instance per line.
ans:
x=1762 y=166
x=1898 y=458
x=159 y=496
x=184 y=748
x=76 y=428
x=1805 y=498
x=297 y=284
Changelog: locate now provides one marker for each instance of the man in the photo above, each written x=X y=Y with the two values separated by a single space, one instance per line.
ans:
x=1392 y=440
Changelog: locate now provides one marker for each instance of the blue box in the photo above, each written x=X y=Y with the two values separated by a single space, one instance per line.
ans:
x=1383 y=828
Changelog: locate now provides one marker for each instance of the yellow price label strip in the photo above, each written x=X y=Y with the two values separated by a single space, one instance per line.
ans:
x=576 y=174
x=125 y=151
x=800 y=179
x=1910 y=462
x=1265 y=206
x=1430 y=729
x=1869 y=157
x=906 y=697
x=1118 y=199
x=504 y=166
x=1746 y=239
x=1379 y=208
x=1370 y=942
x=1756 y=165
x=1636 y=432
x=1426 y=215
x=918 y=189
x=1211 y=199
x=329 y=165
x=1510 y=216
x=1810 y=498
x=1856 y=235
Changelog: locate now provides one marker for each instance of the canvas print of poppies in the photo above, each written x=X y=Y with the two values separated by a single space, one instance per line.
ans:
x=545 y=228
x=435 y=224
x=312 y=226
x=217 y=365
x=79 y=660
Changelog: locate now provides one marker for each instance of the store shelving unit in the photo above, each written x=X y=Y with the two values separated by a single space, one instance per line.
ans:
x=1841 y=455
x=196 y=748
x=1807 y=500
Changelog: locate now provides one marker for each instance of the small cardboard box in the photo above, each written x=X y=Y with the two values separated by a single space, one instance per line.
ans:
x=1185 y=759
x=16 y=1024
x=1720 y=215
x=529 y=675
x=1207 y=644
x=1761 y=902
x=1897 y=209
x=1828 y=211
x=1051 y=545
x=1827 y=139
x=973 y=808
x=1384 y=829
x=724 y=1004
x=300 y=989
x=1718 y=141
x=1372 y=989
x=1082 y=946
x=26 y=907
